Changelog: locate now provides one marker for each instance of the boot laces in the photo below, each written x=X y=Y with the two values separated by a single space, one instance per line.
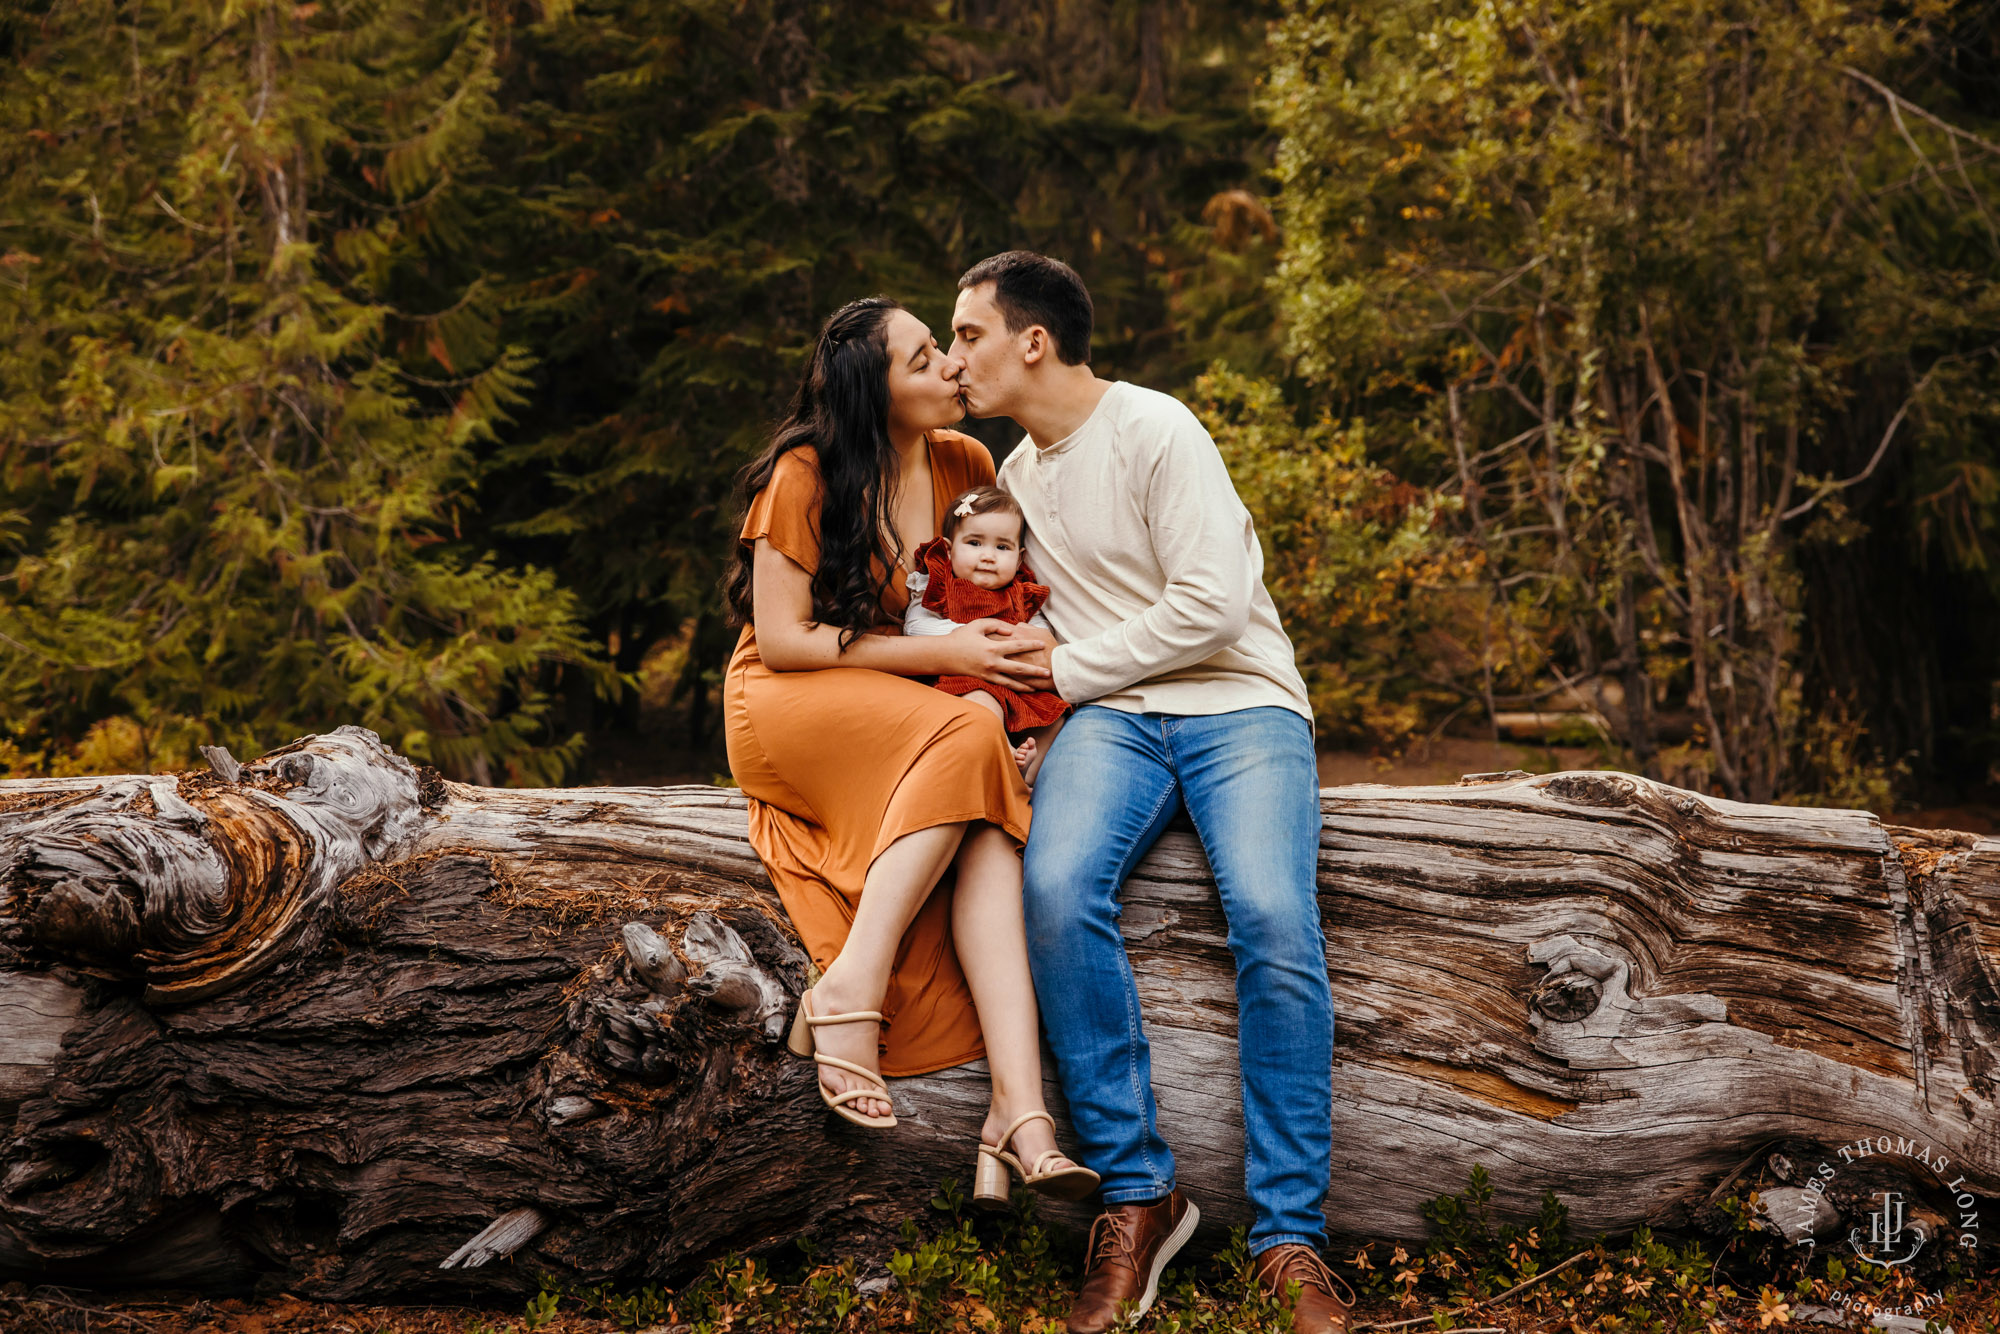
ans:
x=1114 y=1236
x=1303 y=1263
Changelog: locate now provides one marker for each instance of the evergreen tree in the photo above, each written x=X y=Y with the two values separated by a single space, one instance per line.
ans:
x=242 y=399
x=701 y=183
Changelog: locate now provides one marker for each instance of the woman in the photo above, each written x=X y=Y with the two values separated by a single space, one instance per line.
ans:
x=865 y=786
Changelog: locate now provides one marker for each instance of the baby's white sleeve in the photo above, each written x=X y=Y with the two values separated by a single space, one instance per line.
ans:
x=1041 y=622
x=919 y=619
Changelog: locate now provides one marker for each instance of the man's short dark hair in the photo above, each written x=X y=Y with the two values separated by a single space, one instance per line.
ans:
x=1034 y=289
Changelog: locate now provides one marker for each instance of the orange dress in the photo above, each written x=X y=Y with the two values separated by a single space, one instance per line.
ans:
x=840 y=763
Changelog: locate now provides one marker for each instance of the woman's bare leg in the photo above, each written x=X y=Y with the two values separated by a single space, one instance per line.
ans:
x=986 y=908
x=898 y=882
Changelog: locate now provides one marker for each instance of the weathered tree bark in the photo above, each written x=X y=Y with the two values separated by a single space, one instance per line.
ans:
x=331 y=1024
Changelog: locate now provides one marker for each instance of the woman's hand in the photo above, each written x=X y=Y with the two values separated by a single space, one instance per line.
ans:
x=987 y=649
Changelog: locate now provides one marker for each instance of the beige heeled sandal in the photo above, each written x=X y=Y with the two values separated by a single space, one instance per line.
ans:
x=990 y=1186
x=801 y=1044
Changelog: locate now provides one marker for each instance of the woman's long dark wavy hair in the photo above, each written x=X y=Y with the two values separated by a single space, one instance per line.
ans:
x=841 y=409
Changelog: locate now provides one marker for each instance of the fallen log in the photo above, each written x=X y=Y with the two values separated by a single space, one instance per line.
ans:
x=326 y=1023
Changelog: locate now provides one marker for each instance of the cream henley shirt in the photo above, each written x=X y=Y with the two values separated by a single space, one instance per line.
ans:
x=1155 y=577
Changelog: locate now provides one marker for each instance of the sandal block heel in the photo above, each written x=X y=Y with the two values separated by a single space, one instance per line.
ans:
x=800 y=1040
x=992 y=1182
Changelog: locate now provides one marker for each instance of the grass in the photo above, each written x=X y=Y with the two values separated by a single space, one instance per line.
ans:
x=978 y=1272
x=968 y=1271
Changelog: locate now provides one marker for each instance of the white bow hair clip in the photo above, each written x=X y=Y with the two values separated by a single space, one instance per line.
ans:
x=964 y=509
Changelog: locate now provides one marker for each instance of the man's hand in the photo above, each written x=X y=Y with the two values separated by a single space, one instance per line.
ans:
x=1033 y=647
x=1040 y=656
x=993 y=650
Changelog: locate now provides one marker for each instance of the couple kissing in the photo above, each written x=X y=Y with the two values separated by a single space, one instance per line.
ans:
x=921 y=642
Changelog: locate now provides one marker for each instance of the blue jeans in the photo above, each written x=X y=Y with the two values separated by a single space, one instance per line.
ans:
x=1250 y=785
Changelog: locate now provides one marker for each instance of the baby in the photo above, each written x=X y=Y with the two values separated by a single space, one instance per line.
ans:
x=974 y=570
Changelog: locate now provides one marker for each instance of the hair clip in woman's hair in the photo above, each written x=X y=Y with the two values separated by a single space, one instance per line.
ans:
x=964 y=509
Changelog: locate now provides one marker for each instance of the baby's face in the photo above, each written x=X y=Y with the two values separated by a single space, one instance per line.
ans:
x=987 y=549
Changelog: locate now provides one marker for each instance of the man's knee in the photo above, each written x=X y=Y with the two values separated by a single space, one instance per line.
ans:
x=1277 y=920
x=1046 y=876
x=1058 y=886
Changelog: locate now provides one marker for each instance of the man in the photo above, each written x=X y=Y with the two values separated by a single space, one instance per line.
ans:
x=1187 y=696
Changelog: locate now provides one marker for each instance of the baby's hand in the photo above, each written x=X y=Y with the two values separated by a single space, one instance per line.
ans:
x=1024 y=754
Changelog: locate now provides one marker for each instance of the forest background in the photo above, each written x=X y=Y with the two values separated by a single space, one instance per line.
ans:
x=389 y=361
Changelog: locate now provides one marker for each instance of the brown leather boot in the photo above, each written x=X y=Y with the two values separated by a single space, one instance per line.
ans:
x=1129 y=1245
x=1318 y=1310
